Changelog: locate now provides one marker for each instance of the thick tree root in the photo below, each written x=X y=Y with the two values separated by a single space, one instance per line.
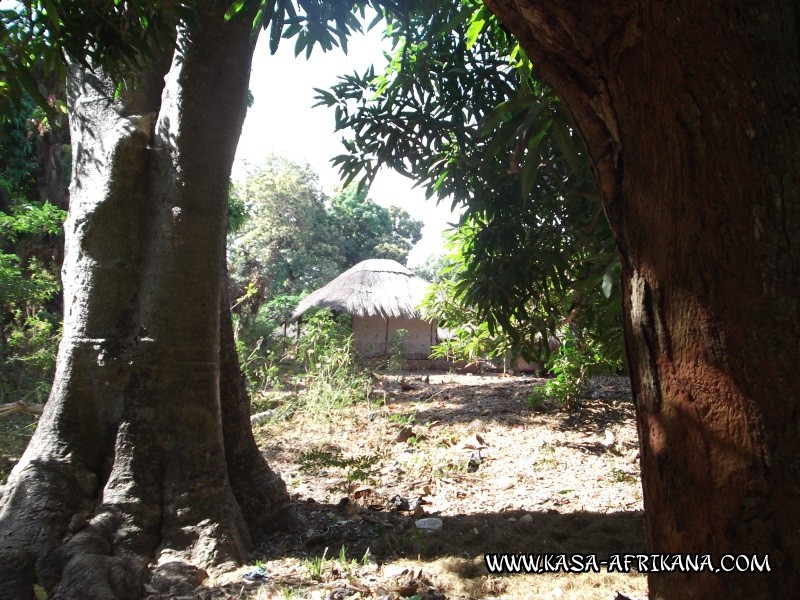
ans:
x=50 y=542
x=158 y=519
x=124 y=485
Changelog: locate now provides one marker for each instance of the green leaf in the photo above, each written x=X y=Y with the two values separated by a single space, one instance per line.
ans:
x=504 y=136
x=29 y=83
x=502 y=110
x=473 y=31
x=324 y=97
x=566 y=144
x=300 y=43
x=529 y=172
x=234 y=9
x=440 y=180
x=276 y=29
x=610 y=275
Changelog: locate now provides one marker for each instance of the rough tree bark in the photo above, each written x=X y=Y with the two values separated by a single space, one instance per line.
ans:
x=50 y=173
x=143 y=467
x=690 y=114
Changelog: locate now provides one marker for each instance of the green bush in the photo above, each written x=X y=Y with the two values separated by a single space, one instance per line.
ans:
x=29 y=330
x=325 y=341
x=572 y=365
x=30 y=361
x=258 y=344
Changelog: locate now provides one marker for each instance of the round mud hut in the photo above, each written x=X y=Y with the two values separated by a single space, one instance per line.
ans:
x=382 y=296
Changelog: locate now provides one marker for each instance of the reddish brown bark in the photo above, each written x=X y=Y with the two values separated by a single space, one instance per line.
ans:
x=690 y=114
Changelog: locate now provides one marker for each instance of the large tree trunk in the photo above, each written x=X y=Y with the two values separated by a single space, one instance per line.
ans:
x=689 y=110
x=143 y=465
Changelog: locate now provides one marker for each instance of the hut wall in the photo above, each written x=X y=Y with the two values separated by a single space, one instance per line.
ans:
x=370 y=336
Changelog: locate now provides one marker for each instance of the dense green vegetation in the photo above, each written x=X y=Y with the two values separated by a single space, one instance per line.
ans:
x=291 y=239
x=294 y=238
x=28 y=287
x=30 y=241
x=18 y=156
x=332 y=378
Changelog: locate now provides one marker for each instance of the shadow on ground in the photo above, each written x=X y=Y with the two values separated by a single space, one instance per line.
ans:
x=504 y=400
x=513 y=503
x=391 y=535
x=342 y=534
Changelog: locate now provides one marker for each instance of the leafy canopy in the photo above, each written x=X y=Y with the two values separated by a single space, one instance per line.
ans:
x=42 y=36
x=459 y=110
x=283 y=246
x=367 y=230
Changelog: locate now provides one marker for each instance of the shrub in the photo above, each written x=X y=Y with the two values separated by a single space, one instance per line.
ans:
x=397 y=350
x=572 y=365
x=30 y=329
x=326 y=346
x=258 y=345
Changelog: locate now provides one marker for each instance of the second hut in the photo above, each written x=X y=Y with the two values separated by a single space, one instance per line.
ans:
x=382 y=296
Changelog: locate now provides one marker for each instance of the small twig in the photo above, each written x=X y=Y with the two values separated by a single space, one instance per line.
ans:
x=23 y=407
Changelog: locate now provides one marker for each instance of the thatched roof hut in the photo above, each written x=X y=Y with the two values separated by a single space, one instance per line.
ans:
x=375 y=287
x=382 y=296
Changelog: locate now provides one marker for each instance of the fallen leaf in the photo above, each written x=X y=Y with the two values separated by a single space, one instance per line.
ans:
x=475 y=442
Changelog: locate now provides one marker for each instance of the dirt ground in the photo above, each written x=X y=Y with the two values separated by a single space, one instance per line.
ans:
x=469 y=453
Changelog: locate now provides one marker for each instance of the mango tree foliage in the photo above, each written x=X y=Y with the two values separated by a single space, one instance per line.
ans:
x=459 y=110
x=464 y=334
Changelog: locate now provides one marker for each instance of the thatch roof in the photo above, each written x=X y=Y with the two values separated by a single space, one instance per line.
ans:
x=373 y=287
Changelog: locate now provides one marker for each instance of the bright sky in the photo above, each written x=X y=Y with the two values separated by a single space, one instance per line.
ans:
x=282 y=122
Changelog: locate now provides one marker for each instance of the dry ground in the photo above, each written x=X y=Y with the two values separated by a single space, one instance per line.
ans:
x=465 y=449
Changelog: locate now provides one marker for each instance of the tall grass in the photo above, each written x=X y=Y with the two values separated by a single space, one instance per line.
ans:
x=333 y=380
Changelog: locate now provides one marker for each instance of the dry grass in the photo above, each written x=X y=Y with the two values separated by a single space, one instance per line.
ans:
x=575 y=493
x=372 y=287
x=546 y=483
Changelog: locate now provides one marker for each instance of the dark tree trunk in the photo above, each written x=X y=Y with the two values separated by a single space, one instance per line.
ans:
x=689 y=110
x=143 y=465
x=50 y=155
x=50 y=178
